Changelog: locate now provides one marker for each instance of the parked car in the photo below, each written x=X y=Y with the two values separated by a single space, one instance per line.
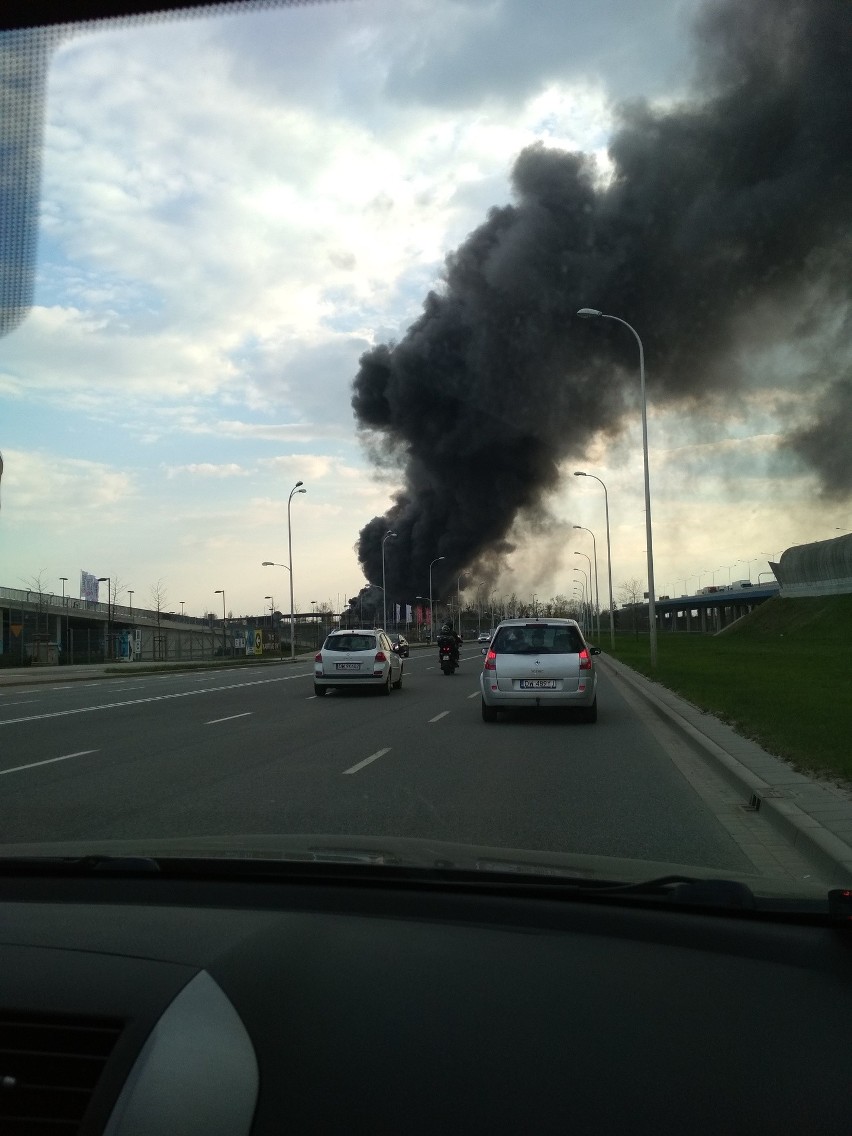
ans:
x=535 y=664
x=400 y=644
x=357 y=658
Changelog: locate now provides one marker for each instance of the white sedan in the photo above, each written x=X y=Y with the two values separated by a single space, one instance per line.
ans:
x=357 y=658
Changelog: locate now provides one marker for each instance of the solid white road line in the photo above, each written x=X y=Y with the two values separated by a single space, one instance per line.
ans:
x=49 y=761
x=373 y=757
x=230 y=718
x=438 y=717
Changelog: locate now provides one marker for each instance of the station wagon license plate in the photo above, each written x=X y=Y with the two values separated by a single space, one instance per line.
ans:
x=348 y=666
x=537 y=684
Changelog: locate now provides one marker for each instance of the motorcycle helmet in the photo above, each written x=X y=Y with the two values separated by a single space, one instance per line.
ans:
x=447 y=629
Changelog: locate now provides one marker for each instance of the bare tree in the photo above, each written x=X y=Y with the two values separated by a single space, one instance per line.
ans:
x=631 y=592
x=159 y=599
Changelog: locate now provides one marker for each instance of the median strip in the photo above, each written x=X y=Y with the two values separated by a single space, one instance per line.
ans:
x=373 y=757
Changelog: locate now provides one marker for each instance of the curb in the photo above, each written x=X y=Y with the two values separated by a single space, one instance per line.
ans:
x=829 y=852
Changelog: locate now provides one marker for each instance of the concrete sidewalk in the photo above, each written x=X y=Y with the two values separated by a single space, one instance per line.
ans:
x=815 y=818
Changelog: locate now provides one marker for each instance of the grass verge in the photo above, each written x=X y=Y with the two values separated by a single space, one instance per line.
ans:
x=781 y=676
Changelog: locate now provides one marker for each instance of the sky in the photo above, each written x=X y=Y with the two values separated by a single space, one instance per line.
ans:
x=235 y=209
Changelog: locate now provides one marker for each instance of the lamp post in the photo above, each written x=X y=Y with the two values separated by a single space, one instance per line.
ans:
x=420 y=626
x=296 y=489
x=108 y=581
x=579 y=473
x=593 y=313
x=130 y=594
x=431 y=602
x=275 y=564
x=583 y=574
x=585 y=588
x=181 y=602
x=597 y=589
x=390 y=533
x=589 y=562
x=272 y=620
x=221 y=592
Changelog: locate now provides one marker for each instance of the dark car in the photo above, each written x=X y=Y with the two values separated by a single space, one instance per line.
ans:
x=400 y=644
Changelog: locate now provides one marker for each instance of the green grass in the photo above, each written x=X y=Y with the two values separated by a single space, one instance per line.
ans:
x=781 y=676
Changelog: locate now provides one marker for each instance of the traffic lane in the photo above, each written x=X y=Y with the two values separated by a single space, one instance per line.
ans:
x=171 y=766
x=106 y=690
x=529 y=782
x=33 y=734
x=419 y=763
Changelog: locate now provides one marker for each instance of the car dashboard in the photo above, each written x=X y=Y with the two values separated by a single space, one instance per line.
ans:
x=341 y=1003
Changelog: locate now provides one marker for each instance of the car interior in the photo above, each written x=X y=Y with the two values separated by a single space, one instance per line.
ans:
x=341 y=988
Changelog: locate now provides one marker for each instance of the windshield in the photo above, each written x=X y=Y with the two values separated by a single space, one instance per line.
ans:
x=320 y=319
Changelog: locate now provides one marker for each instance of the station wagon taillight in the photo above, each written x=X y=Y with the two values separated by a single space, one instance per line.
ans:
x=491 y=661
x=585 y=660
x=318 y=657
x=381 y=657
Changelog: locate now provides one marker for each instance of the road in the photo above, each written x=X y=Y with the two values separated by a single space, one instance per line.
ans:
x=252 y=750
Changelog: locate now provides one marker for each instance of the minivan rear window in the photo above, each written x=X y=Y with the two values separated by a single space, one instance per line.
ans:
x=350 y=643
x=541 y=640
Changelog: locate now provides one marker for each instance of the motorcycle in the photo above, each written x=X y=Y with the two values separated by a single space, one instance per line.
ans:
x=449 y=658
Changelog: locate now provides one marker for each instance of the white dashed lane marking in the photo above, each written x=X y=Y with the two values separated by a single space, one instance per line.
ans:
x=373 y=757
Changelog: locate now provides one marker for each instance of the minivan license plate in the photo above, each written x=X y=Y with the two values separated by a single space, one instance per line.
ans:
x=538 y=684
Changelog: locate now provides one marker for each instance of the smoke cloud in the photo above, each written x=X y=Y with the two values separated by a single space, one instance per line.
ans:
x=724 y=219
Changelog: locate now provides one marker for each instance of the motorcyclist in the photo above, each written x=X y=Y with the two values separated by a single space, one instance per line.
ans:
x=447 y=637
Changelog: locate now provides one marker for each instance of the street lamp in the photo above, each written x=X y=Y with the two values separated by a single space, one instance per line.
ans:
x=535 y=605
x=295 y=489
x=588 y=561
x=580 y=473
x=181 y=602
x=431 y=603
x=583 y=574
x=130 y=594
x=101 y=580
x=582 y=528
x=221 y=592
x=272 y=620
x=593 y=313
x=390 y=533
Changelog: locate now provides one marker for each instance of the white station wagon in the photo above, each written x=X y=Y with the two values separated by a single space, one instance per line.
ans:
x=357 y=658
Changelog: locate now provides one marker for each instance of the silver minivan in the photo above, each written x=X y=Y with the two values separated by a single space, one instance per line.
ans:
x=534 y=664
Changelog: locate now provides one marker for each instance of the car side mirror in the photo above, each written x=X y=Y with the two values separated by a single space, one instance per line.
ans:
x=594 y=650
x=484 y=650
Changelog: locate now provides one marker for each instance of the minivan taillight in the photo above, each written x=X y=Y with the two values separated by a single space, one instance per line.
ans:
x=585 y=660
x=491 y=661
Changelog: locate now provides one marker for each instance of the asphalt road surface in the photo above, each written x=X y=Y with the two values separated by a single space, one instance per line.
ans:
x=252 y=750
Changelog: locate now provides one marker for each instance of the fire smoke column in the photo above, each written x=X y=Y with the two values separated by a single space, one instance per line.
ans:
x=724 y=230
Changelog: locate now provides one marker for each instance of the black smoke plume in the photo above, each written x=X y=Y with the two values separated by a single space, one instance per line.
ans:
x=724 y=226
